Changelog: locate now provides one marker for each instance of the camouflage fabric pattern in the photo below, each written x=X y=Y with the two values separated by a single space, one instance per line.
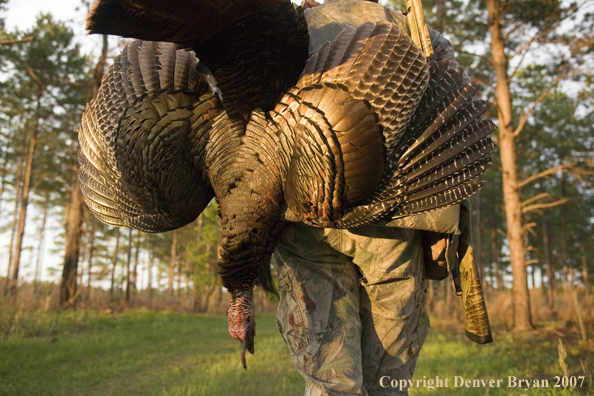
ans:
x=352 y=306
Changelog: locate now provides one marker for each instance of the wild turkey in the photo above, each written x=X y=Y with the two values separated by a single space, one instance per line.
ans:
x=370 y=131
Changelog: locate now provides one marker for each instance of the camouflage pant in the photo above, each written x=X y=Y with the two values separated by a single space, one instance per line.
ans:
x=352 y=307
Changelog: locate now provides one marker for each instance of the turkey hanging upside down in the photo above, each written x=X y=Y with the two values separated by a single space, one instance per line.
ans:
x=363 y=131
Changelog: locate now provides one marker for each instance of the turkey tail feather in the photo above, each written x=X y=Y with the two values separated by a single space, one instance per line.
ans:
x=444 y=147
x=449 y=197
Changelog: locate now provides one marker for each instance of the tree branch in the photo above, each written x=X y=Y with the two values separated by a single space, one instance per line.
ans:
x=535 y=207
x=528 y=226
x=542 y=174
x=34 y=76
x=544 y=94
x=511 y=31
x=520 y=63
x=17 y=41
x=536 y=198
x=532 y=40
x=552 y=27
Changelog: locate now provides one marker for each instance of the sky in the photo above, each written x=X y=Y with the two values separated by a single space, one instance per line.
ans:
x=22 y=14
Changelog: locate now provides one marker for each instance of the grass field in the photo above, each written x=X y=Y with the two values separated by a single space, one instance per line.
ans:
x=167 y=354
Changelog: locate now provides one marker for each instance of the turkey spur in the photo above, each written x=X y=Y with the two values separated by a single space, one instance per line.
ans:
x=368 y=132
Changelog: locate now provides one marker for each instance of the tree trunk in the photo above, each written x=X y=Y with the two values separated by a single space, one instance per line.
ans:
x=207 y=249
x=585 y=273
x=68 y=286
x=564 y=238
x=196 y=307
x=179 y=278
x=91 y=252
x=128 y=262
x=159 y=279
x=13 y=284
x=549 y=262
x=149 y=286
x=511 y=189
x=495 y=251
x=114 y=261
x=82 y=252
x=430 y=295
x=41 y=245
x=3 y=186
x=439 y=16
x=135 y=268
x=533 y=275
x=172 y=266
x=479 y=243
x=15 y=218
x=97 y=76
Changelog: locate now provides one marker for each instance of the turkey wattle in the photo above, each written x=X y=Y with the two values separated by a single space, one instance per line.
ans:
x=369 y=131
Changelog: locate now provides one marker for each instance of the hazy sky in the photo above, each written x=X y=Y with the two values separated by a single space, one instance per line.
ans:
x=23 y=13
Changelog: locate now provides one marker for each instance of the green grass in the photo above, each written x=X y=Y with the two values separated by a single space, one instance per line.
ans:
x=524 y=356
x=167 y=354
x=145 y=353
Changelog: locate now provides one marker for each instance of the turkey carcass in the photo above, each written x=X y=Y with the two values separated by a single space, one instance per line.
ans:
x=369 y=131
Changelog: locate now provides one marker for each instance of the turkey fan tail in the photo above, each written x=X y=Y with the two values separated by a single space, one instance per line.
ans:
x=442 y=150
x=151 y=118
x=447 y=143
x=181 y=22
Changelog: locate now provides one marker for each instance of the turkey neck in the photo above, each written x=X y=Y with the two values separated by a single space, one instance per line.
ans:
x=250 y=231
x=244 y=169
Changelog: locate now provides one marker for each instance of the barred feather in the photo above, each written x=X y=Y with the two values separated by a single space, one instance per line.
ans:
x=442 y=148
x=138 y=130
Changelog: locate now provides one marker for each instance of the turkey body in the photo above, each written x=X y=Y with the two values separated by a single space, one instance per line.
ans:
x=364 y=130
